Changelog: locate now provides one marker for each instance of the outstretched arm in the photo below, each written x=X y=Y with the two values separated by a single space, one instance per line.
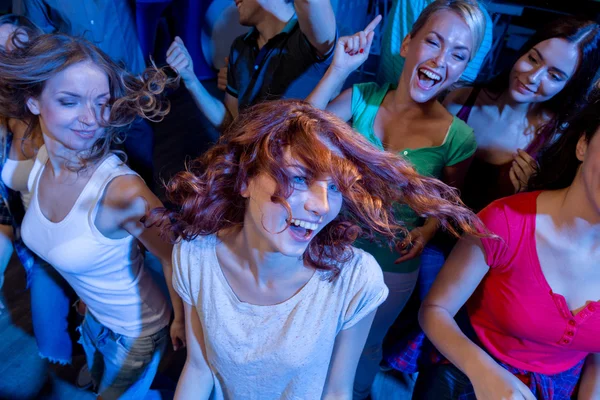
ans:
x=317 y=22
x=218 y=113
x=350 y=53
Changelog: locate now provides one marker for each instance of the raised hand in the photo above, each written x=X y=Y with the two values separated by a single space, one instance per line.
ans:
x=180 y=60
x=352 y=51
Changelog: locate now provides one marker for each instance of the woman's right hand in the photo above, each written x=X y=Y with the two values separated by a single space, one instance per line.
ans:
x=352 y=51
x=497 y=383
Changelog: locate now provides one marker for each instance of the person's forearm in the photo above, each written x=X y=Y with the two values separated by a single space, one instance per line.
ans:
x=589 y=387
x=193 y=384
x=446 y=336
x=212 y=108
x=430 y=228
x=327 y=88
x=175 y=299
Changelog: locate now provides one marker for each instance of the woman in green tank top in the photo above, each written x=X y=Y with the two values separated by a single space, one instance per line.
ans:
x=407 y=118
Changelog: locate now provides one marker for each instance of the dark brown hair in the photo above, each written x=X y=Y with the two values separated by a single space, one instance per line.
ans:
x=26 y=70
x=372 y=182
x=558 y=163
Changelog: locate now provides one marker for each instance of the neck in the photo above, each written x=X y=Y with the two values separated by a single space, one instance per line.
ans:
x=510 y=109
x=403 y=103
x=60 y=158
x=576 y=212
x=266 y=265
x=273 y=22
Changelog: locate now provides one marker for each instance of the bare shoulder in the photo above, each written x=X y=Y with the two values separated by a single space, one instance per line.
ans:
x=457 y=97
x=130 y=195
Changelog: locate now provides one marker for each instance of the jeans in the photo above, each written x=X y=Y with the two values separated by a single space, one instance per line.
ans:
x=432 y=261
x=51 y=298
x=401 y=286
x=122 y=367
x=443 y=382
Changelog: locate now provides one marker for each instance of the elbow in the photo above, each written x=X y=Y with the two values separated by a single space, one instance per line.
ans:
x=428 y=315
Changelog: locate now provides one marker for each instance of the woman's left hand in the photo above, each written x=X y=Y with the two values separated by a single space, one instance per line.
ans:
x=413 y=244
x=177 y=332
x=523 y=167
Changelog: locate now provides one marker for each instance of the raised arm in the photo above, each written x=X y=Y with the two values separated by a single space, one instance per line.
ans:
x=218 y=113
x=317 y=21
x=350 y=53
x=456 y=282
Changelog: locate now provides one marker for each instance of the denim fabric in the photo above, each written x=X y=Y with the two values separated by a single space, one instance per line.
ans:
x=50 y=293
x=122 y=367
x=443 y=382
x=51 y=298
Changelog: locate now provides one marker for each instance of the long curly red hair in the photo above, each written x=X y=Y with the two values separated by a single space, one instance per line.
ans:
x=372 y=182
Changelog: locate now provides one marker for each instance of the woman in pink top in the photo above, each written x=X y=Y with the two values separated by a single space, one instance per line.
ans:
x=532 y=296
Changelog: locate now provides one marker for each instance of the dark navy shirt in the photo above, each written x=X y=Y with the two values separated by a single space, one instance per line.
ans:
x=287 y=66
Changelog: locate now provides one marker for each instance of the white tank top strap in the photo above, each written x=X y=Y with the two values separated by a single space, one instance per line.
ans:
x=111 y=168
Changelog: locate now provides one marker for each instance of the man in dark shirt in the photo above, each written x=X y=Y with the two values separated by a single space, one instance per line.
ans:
x=284 y=55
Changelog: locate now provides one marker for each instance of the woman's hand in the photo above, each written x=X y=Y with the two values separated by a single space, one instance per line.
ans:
x=177 y=332
x=523 y=167
x=352 y=51
x=496 y=383
x=413 y=244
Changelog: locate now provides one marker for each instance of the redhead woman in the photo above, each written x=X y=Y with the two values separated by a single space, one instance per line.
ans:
x=278 y=304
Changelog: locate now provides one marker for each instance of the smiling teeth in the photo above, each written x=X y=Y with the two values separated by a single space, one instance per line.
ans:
x=431 y=75
x=304 y=224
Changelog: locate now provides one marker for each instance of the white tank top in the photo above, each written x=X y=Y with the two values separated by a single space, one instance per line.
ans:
x=108 y=274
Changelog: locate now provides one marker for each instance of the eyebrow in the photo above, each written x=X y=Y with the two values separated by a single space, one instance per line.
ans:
x=460 y=47
x=560 y=71
x=78 y=96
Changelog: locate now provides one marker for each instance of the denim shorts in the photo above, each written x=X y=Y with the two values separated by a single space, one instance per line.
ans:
x=122 y=367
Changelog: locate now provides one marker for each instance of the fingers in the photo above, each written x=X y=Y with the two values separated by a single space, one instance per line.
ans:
x=412 y=253
x=370 y=37
x=514 y=180
x=176 y=47
x=373 y=24
x=525 y=165
x=174 y=343
x=222 y=79
x=528 y=159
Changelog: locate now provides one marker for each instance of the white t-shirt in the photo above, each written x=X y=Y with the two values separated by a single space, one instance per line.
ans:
x=280 y=351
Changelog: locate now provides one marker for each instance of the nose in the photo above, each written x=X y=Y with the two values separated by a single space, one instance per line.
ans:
x=535 y=76
x=440 y=59
x=87 y=116
x=317 y=202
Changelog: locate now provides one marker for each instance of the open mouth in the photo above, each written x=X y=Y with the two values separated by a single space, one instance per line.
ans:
x=428 y=78
x=302 y=228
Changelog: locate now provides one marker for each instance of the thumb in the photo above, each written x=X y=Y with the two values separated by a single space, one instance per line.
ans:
x=178 y=39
